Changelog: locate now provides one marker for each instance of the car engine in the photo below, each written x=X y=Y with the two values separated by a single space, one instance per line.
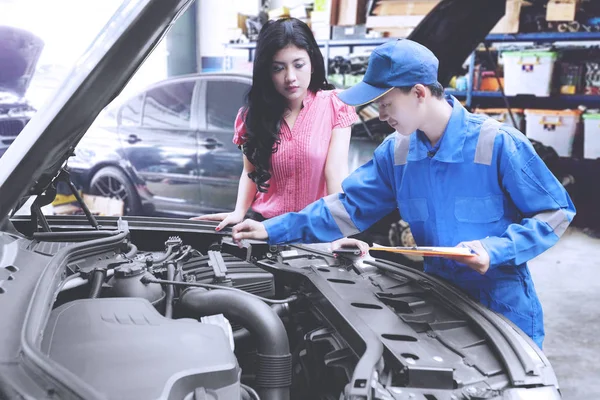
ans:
x=137 y=335
x=170 y=309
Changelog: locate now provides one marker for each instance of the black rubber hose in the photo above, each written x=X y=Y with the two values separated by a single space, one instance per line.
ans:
x=243 y=333
x=132 y=250
x=168 y=255
x=249 y=392
x=170 y=291
x=97 y=282
x=274 y=361
x=291 y=299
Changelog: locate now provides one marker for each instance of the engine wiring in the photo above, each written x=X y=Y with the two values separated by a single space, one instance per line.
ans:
x=290 y=299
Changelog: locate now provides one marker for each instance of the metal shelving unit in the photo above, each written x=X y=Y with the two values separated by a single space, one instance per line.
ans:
x=326 y=44
x=544 y=37
x=470 y=94
x=555 y=101
x=562 y=99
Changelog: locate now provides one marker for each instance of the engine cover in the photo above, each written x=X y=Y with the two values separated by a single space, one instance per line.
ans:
x=125 y=349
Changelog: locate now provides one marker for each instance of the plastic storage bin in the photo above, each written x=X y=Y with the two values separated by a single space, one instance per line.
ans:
x=501 y=115
x=591 y=136
x=528 y=72
x=553 y=128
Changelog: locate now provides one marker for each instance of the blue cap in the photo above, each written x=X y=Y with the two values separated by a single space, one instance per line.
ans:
x=397 y=63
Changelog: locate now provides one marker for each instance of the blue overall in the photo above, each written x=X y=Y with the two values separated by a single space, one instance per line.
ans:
x=483 y=182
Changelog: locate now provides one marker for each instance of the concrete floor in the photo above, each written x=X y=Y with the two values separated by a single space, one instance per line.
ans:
x=567 y=279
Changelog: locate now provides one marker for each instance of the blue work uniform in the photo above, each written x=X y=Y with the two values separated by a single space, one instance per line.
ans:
x=485 y=182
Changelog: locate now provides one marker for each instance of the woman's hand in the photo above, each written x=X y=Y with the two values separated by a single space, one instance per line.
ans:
x=348 y=242
x=225 y=219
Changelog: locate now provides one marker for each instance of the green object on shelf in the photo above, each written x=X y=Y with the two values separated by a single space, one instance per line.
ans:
x=591 y=116
x=531 y=53
x=320 y=5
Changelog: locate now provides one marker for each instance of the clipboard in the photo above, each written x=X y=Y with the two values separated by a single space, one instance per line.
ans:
x=428 y=251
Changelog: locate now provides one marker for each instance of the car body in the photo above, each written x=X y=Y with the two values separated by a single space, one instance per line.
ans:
x=173 y=144
x=19 y=53
x=140 y=307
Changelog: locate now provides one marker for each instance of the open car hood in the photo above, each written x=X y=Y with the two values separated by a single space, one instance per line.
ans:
x=19 y=53
x=452 y=30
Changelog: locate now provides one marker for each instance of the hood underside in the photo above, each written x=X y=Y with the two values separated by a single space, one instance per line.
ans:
x=452 y=31
x=19 y=54
x=454 y=28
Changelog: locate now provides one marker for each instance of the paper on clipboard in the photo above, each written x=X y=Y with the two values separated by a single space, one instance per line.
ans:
x=427 y=251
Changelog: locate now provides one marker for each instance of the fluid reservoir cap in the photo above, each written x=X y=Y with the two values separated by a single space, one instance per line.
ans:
x=129 y=270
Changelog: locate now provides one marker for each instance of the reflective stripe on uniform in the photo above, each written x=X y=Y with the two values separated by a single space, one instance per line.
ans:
x=557 y=219
x=401 y=149
x=485 y=144
x=340 y=215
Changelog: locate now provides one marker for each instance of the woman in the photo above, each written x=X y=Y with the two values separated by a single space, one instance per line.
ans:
x=294 y=132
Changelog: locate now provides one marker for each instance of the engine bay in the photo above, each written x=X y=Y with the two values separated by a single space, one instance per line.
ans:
x=182 y=313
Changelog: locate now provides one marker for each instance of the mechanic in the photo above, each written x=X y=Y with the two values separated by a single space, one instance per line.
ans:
x=458 y=179
x=290 y=108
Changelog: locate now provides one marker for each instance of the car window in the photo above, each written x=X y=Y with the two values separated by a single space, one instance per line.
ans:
x=169 y=106
x=223 y=101
x=131 y=112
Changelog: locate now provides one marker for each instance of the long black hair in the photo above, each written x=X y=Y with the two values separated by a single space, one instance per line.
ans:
x=265 y=107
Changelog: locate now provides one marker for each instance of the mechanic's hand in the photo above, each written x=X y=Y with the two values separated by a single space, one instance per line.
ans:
x=249 y=229
x=225 y=219
x=349 y=242
x=480 y=261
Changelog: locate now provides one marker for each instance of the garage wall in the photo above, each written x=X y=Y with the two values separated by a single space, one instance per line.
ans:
x=215 y=18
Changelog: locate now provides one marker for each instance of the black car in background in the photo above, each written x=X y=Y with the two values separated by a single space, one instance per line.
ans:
x=19 y=53
x=168 y=150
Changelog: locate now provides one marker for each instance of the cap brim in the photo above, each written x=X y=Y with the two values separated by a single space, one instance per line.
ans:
x=361 y=94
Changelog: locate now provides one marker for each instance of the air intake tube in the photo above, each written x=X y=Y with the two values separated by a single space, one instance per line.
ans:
x=274 y=361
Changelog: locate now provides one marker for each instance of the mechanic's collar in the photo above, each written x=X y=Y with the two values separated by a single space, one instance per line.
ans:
x=450 y=146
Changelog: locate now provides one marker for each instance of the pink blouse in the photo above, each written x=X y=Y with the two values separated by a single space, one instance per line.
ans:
x=298 y=166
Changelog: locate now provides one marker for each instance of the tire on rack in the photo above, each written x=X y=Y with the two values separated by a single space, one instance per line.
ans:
x=114 y=183
x=400 y=235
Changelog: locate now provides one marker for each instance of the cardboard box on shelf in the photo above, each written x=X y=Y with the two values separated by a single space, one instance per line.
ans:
x=394 y=21
x=300 y=12
x=351 y=12
x=396 y=26
x=403 y=7
x=509 y=23
x=561 y=10
x=279 y=13
x=241 y=22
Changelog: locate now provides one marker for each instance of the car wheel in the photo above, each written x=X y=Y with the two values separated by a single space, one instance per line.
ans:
x=113 y=183
x=401 y=236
